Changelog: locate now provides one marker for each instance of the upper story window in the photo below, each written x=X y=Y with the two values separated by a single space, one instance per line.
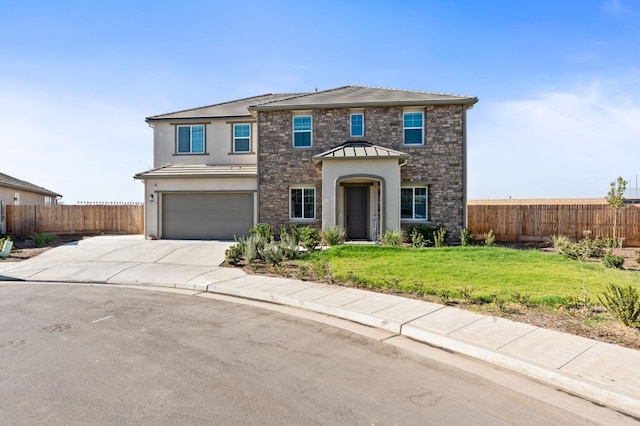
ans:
x=242 y=137
x=190 y=139
x=357 y=125
x=413 y=202
x=302 y=129
x=413 y=128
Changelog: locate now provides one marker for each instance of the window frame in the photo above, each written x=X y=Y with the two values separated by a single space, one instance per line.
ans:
x=414 y=204
x=405 y=128
x=303 y=131
x=191 y=127
x=235 y=139
x=351 y=132
x=303 y=216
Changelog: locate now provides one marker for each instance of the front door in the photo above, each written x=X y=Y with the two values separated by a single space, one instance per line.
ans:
x=357 y=217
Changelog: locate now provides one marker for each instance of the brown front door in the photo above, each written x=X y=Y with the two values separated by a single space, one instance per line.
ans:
x=357 y=217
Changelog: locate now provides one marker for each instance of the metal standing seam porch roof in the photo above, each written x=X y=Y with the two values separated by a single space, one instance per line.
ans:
x=360 y=150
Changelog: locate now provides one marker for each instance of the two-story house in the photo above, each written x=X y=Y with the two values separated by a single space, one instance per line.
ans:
x=366 y=159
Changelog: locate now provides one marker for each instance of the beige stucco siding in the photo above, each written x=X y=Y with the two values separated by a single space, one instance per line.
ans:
x=218 y=144
x=157 y=187
x=386 y=172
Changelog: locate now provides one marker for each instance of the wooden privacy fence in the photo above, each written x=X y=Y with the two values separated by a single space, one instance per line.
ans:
x=24 y=221
x=538 y=222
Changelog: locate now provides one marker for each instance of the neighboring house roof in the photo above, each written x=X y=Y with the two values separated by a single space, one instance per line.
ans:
x=11 y=182
x=359 y=150
x=362 y=96
x=199 y=170
x=237 y=108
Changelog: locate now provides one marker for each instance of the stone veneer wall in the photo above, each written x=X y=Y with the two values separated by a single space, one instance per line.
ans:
x=439 y=162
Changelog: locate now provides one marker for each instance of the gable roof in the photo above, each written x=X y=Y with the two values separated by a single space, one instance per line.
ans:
x=362 y=96
x=237 y=108
x=11 y=182
x=359 y=150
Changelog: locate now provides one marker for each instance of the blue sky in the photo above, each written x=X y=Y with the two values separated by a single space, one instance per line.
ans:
x=558 y=81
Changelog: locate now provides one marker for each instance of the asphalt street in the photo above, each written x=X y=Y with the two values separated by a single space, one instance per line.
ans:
x=78 y=354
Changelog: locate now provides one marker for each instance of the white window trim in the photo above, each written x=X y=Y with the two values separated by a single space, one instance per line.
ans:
x=294 y=131
x=413 y=203
x=204 y=139
x=351 y=125
x=404 y=142
x=303 y=188
x=233 y=137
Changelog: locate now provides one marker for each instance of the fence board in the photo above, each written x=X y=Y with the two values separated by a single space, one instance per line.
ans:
x=537 y=222
x=24 y=221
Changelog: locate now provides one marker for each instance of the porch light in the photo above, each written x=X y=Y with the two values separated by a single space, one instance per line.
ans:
x=151 y=199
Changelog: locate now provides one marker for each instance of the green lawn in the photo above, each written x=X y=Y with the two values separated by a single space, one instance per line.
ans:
x=488 y=270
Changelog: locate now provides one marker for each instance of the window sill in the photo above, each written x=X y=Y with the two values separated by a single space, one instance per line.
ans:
x=189 y=153
x=302 y=221
x=413 y=145
x=242 y=153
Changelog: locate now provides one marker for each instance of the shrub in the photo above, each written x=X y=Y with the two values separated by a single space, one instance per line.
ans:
x=438 y=237
x=272 y=253
x=559 y=241
x=393 y=237
x=585 y=248
x=333 y=235
x=638 y=256
x=424 y=234
x=233 y=254
x=521 y=298
x=417 y=239
x=288 y=246
x=42 y=239
x=466 y=237
x=262 y=229
x=490 y=239
x=623 y=303
x=611 y=260
x=308 y=238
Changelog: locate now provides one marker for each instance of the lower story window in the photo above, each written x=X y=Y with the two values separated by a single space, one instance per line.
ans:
x=303 y=203
x=413 y=203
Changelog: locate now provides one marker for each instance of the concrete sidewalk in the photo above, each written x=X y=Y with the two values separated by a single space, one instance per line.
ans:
x=604 y=373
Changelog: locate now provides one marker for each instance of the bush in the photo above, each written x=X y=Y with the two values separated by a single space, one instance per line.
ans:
x=417 y=239
x=613 y=261
x=559 y=241
x=393 y=237
x=467 y=238
x=288 y=246
x=490 y=239
x=308 y=238
x=42 y=239
x=438 y=237
x=233 y=254
x=272 y=253
x=585 y=248
x=422 y=235
x=333 y=236
x=638 y=256
x=262 y=229
x=623 y=303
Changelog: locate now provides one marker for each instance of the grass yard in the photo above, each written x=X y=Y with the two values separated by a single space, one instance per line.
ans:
x=502 y=272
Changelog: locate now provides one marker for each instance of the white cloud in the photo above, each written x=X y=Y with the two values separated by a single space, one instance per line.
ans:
x=568 y=143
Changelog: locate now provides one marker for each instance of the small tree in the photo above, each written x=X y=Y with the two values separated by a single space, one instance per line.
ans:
x=615 y=198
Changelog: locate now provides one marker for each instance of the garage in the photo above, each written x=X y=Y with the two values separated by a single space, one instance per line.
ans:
x=206 y=215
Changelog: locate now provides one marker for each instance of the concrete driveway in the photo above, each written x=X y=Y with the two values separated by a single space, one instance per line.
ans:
x=128 y=259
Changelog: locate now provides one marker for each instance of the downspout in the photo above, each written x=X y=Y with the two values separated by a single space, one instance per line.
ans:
x=464 y=165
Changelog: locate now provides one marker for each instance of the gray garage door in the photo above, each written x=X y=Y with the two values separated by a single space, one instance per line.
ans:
x=214 y=216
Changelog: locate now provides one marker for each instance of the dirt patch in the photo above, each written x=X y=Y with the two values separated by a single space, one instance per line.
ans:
x=25 y=248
